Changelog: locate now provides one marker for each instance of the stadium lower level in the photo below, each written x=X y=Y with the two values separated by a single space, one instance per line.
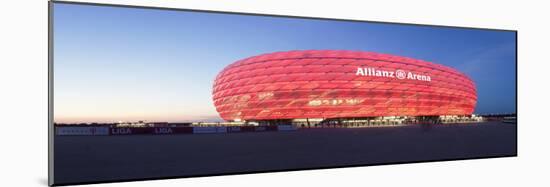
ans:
x=354 y=122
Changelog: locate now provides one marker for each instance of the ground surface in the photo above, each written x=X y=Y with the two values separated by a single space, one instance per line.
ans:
x=104 y=158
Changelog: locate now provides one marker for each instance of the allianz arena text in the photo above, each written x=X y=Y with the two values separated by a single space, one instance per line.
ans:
x=339 y=84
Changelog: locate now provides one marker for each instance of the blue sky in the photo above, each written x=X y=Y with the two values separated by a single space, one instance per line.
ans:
x=124 y=64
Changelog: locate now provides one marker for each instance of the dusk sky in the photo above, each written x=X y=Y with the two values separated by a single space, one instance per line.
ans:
x=128 y=64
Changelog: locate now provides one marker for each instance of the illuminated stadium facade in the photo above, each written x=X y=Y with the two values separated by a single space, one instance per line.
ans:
x=337 y=86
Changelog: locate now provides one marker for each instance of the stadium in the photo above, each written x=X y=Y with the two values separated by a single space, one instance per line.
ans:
x=340 y=87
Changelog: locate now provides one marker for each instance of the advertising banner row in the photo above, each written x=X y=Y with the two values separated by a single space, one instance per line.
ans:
x=98 y=131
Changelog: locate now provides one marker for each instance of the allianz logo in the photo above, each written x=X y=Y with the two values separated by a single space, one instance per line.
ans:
x=399 y=74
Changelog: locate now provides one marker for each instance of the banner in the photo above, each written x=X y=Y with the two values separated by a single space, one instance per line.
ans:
x=286 y=128
x=202 y=130
x=167 y=130
x=233 y=129
x=89 y=131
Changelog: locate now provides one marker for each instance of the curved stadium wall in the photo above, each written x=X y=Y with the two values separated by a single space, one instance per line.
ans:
x=339 y=84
